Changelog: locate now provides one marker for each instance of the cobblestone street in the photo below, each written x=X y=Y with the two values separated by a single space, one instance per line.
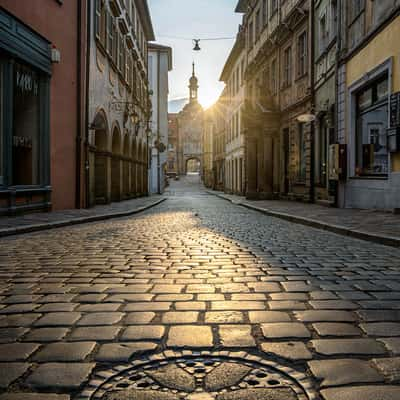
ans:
x=207 y=300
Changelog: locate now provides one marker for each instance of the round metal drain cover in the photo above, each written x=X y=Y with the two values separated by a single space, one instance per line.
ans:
x=200 y=378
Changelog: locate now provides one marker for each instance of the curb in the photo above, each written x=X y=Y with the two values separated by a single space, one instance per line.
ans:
x=75 y=221
x=338 y=229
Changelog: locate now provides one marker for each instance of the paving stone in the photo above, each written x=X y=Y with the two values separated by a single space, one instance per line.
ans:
x=238 y=305
x=389 y=367
x=9 y=335
x=336 y=329
x=381 y=328
x=324 y=316
x=392 y=344
x=18 y=308
x=236 y=336
x=60 y=376
x=102 y=307
x=11 y=372
x=289 y=296
x=282 y=330
x=173 y=377
x=94 y=333
x=344 y=371
x=347 y=346
x=174 y=297
x=122 y=352
x=58 y=319
x=138 y=318
x=224 y=317
x=268 y=316
x=100 y=319
x=333 y=305
x=298 y=286
x=18 y=320
x=190 y=336
x=46 y=334
x=56 y=307
x=63 y=352
x=142 y=332
x=225 y=375
x=34 y=396
x=155 y=306
x=167 y=289
x=379 y=315
x=362 y=392
x=289 y=350
x=122 y=298
x=190 y=305
x=17 y=351
x=180 y=317
x=287 y=305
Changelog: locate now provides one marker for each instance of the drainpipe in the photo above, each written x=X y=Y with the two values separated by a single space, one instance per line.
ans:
x=158 y=125
x=78 y=164
x=312 y=78
x=88 y=35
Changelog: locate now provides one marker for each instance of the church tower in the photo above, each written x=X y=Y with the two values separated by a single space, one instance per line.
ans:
x=193 y=87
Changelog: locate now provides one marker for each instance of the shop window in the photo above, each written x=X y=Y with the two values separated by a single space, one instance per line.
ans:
x=302 y=154
x=371 y=124
x=26 y=126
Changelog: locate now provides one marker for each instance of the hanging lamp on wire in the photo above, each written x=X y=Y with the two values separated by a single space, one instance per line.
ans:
x=196 y=42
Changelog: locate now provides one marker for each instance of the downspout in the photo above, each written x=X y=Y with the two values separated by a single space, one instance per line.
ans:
x=337 y=66
x=158 y=125
x=78 y=163
x=312 y=86
x=88 y=35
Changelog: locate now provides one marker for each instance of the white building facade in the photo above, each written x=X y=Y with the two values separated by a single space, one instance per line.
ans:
x=160 y=63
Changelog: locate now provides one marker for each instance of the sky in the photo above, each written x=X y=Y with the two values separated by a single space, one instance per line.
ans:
x=195 y=19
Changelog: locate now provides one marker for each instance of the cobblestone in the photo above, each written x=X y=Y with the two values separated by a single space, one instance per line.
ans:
x=197 y=273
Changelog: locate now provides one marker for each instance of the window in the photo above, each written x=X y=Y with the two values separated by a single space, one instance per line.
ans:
x=323 y=33
x=265 y=12
x=287 y=67
x=251 y=34
x=1 y=119
x=26 y=126
x=321 y=147
x=302 y=154
x=242 y=68
x=274 y=7
x=100 y=21
x=110 y=34
x=371 y=124
x=302 y=55
x=121 y=49
x=356 y=21
x=129 y=70
x=274 y=77
x=334 y=16
x=258 y=24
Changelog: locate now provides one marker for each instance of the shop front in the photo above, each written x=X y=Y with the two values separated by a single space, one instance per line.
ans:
x=25 y=67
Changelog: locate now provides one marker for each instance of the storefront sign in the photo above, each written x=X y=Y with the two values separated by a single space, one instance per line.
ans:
x=22 y=141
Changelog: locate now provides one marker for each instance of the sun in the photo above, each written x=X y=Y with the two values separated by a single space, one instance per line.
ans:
x=207 y=99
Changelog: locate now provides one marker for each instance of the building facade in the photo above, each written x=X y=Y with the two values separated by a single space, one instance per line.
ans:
x=172 y=150
x=160 y=63
x=233 y=77
x=208 y=135
x=41 y=64
x=190 y=121
x=368 y=104
x=119 y=103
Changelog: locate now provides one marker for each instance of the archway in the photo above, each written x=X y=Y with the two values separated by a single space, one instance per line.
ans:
x=116 y=166
x=126 y=169
x=193 y=166
x=99 y=162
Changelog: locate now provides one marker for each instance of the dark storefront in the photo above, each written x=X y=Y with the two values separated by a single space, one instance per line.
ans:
x=25 y=67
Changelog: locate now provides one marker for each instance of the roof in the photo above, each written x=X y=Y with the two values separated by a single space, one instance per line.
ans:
x=241 y=6
x=162 y=49
x=233 y=55
x=144 y=12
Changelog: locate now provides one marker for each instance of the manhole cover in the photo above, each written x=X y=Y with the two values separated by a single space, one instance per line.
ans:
x=200 y=377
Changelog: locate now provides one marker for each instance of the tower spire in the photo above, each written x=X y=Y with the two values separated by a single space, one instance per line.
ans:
x=193 y=86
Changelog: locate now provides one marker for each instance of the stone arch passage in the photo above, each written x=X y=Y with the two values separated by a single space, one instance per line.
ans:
x=116 y=166
x=192 y=165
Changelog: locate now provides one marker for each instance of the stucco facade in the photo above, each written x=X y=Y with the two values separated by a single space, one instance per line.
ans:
x=119 y=103
x=160 y=63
